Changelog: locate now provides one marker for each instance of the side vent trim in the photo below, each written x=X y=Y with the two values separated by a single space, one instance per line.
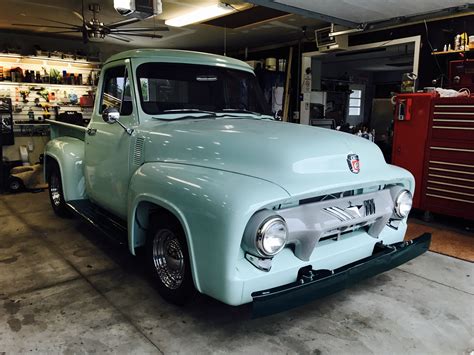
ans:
x=138 y=151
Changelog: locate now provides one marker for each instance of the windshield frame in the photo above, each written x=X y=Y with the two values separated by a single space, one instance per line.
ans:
x=213 y=66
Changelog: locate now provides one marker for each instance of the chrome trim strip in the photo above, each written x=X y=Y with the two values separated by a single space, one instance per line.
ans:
x=339 y=213
x=334 y=214
x=453 y=149
x=455 y=164
x=344 y=213
x=449 y=120
x=454 y=113
x=369 y=206
x=450 y=127
x=450 y=177
x=448 y=184
x=450 y=191
x=452 y=171
x=450 y=198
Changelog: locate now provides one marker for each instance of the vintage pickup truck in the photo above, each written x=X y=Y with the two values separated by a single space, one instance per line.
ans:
x=181 y=159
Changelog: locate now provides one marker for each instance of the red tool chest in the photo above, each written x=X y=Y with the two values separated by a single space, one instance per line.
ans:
x=434 y=140
x=410 y=133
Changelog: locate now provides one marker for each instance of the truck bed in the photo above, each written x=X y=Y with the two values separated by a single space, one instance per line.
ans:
x=59 y=129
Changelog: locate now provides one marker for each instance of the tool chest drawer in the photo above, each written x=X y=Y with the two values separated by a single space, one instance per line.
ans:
x=449 y=183
x=453 y=121
x=442 y=169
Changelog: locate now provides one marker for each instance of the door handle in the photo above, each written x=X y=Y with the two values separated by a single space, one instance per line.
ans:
x=91 y=131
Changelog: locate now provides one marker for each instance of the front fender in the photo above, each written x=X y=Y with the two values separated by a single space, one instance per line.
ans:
x=68 y=152
x=213 y=207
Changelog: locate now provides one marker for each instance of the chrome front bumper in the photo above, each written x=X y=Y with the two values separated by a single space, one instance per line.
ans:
x=313 y=284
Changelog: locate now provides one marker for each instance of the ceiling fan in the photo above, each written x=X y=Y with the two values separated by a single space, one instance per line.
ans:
x=94 y=29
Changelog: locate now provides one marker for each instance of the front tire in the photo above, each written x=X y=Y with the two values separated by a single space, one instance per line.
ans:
x=168 y=259
x=56 y=194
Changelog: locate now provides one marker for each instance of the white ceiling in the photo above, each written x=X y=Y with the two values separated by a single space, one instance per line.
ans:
x=362 y=11
x=200 y=36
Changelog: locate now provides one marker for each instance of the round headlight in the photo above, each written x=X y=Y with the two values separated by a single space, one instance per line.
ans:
x=271 y=236
x=403 y=203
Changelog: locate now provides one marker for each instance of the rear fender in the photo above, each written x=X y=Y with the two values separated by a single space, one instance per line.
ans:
x=68 y=153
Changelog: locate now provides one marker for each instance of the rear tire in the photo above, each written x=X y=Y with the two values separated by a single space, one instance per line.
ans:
x=167 y=259
x=56 y=194
x=15 y=184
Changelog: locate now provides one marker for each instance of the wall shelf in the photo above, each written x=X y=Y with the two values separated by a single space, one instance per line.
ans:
x=32 y=59
x=61 y=86
x=450 y=52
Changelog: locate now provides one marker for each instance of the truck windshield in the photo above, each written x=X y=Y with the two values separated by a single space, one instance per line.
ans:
x=174 y=88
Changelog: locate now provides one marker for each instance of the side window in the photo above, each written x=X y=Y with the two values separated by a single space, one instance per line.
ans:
x=116 y=91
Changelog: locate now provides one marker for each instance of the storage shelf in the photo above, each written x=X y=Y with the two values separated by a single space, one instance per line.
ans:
x=14 y=83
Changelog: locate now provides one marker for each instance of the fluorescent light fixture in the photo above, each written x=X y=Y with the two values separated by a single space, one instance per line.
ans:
x=124 y=7
x=141 y=9
x=200 y=15
x=345 y=32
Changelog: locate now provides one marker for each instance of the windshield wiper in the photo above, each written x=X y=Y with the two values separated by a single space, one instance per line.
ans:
x=207 y=114
x=238 y=110
x=187 y=117
x=187 y=110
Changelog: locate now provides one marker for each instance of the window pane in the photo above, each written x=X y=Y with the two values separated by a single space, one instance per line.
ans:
x=113 y=92
x=356 y=94
x=168 y=86
x=354 y=102
x=127 y=108
x=354 y=111
x=116 y=88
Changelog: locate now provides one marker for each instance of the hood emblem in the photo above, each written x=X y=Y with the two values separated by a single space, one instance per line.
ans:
x=353 y=162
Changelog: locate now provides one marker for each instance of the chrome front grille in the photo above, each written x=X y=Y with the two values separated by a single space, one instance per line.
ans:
x=329 y=218
x=341 y=194
x=335 y=234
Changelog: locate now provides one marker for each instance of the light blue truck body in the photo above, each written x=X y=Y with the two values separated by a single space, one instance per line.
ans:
x=214 y=174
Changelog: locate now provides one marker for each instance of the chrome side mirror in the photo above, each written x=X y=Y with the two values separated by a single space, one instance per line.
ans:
x=111 y=115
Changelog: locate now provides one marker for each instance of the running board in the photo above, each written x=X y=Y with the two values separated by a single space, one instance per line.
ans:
x=102 y=220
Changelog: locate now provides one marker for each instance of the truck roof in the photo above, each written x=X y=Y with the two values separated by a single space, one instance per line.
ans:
x=182 y=56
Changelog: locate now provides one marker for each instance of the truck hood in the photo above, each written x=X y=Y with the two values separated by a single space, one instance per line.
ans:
x=300 y=159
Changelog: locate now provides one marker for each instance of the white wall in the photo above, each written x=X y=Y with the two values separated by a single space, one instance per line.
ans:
x=13 y=152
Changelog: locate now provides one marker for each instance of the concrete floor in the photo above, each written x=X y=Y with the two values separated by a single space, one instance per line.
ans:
x=64 y=288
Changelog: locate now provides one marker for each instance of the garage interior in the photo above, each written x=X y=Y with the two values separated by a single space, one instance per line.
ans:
x=390 y=72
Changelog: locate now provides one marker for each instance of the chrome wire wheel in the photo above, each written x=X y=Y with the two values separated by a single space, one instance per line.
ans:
x=55 y=189
x=168 y=258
